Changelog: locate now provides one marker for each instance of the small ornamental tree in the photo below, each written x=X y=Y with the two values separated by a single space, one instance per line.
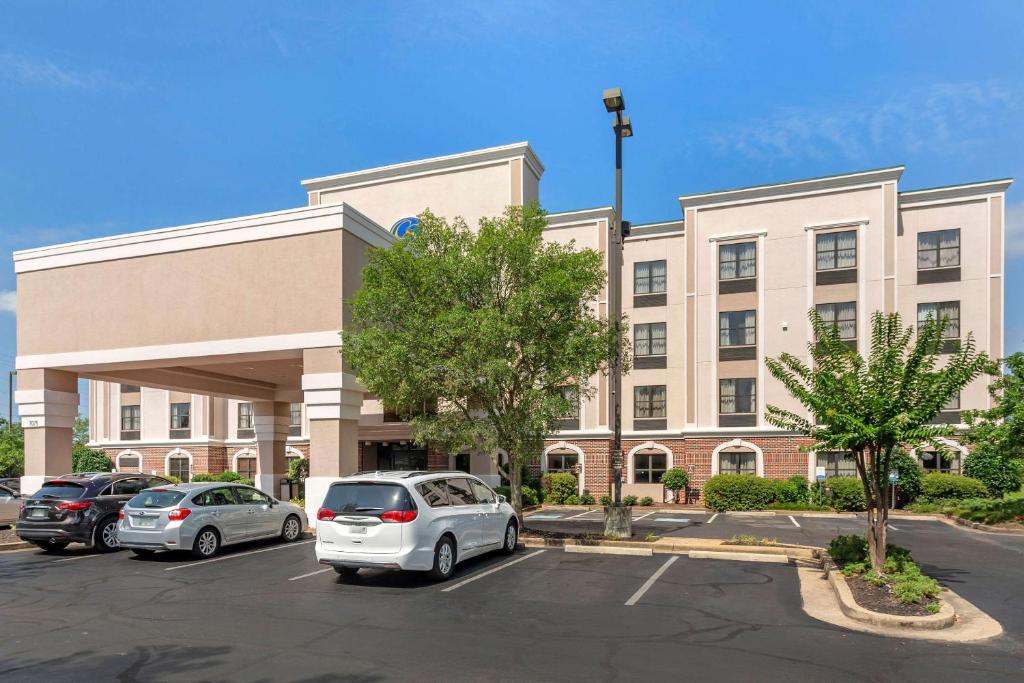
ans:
x=871 y=407
x=675 y=480
x=474 y=335
x=998 y=433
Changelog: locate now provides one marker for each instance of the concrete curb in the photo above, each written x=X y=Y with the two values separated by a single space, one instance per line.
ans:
x=16 y=545
x=738 y=557
x=749 y=513
x=978 y=526
x=680 y=546
x=609 y=550
x=945 y=618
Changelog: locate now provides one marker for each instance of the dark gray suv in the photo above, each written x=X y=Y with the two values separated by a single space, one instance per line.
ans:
x=80 y=508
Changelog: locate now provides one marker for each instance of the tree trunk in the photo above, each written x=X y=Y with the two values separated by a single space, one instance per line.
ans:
x=515 y=480
x=877 y=519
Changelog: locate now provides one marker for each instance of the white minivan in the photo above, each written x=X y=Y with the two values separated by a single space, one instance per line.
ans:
x=425 y=521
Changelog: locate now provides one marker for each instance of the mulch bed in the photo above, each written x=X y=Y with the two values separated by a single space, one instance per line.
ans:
x=575 y=536
x=881 y=599
x=7 y=535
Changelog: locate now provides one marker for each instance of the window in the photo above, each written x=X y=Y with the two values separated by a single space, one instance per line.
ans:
x=950 y=310
x=952 y=404
x=247 y=468
x=6 y=495
x=245 y=416
x=737 y=328
x=130 y=388
x=649 y=401
x=179 y=467
x=843 y=316
x=737 y=261
x=572 y=395
x=127 y=487
x=295 y=419
x=249 y=496
x=434 y=493
x=131 y=418
x=181 y=415
x=836 y=250
x=933 y=461
x=482 y=493
x=225 y=495
x=938 y=249
x=128 y=463
x=838 y=464
x=462 y=462
x=737 y=462
x=648 y=468
x=460 y=492
x=649 y=339
x=737 y=396
x=563 y=462
x=649 y=277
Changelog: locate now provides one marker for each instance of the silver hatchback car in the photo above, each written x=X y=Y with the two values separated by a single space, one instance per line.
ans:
x=204 y=517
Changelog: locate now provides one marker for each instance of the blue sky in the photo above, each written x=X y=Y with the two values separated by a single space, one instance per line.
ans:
x=125 y=116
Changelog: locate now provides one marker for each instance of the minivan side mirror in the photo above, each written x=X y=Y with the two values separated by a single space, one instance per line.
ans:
x=502 y=499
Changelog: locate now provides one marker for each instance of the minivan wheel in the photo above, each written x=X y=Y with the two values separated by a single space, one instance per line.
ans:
x=105 y=536
x=292 y=529
x=52 y=546
x=444 y=559
x=207 y=543
x=511 y=538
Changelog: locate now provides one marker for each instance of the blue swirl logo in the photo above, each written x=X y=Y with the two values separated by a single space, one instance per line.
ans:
x=406 y=226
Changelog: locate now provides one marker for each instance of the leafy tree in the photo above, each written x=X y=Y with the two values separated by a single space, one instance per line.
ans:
x=871 y=407
x=998 y=433
x=474 y=335
x=83 y=458
x=12 y=449
x=675 y=480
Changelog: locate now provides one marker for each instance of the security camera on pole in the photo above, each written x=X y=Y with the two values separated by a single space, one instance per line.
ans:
x=617 y=520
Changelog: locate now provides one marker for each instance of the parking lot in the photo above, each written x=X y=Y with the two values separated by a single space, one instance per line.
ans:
x=268 y=612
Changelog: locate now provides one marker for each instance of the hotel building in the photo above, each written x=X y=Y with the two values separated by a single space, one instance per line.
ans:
x=241 y=369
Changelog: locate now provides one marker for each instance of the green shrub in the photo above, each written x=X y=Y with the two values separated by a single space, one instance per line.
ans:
x=225 y=476
x=989 y=511
x=203 y=476
x=85 y=459
x=675 y=480
x=848 y=549
x=586 y=498
x=504 y=491
x=646 y=501
x=910 y=586
x=847 y=494
x=629 y=500
x=792 y=490
x=559 y=486
x=530 y=496
x=909 y=486
x=939 y=485
x=571 y=500
x=301 y=502
x=172 y=479
x=605 y=500
x=298 y=468
x=799 y=506
x=738 y=492
x=999 y=474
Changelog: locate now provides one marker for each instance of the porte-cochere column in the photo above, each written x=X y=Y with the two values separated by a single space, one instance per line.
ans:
x=47 y=403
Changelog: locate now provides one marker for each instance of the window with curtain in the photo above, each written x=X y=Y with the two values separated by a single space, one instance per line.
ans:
x=649 y=339
x=649 y=277
x=933 y=461
x=649 y=468
x=950 y=310
x=837 y=250
x=938 y=249
x=245 y=416
x=181 y=415
x=737 y=396
x=838 y=464
x=179 y=467
x=737 y=328
x=843 y=316
x=737 y=462
x=649 y=401
x=737 y=260
x=131 y=418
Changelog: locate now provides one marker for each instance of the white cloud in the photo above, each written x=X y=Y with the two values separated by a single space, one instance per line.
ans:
x=1015 y=229
x=8 y=300
x=42 y=71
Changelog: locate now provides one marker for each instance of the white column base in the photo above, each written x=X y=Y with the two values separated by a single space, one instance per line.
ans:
x=269 y=483
x=30 y=483
x=316 y=491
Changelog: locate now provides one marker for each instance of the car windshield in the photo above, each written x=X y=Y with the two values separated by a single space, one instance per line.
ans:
x=60 y=489
x=156 y=498
x=367 y=498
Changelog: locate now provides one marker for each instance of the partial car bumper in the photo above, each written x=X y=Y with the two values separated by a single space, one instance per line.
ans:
x=411 y=559
x=35 y=531
x=160 y=539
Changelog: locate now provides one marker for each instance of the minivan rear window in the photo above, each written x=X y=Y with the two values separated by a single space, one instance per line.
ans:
x=60 y=489
x=156 y=499
x=367 y=498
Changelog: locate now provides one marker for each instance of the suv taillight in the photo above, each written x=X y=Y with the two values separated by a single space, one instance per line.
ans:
x=178 y=514
x=75 y=507
x=398 y=516
x=120 y=514
x=324 y=515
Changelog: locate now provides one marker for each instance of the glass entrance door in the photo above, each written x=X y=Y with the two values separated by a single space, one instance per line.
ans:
x=401 y=457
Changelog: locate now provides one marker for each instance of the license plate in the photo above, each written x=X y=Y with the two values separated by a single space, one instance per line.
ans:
x=36 y=514
x=359 y=530
x=144 y=522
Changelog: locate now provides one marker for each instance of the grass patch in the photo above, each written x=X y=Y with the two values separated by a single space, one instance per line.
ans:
x=750 y=539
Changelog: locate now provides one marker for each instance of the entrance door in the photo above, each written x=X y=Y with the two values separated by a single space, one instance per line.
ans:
x=401 y=457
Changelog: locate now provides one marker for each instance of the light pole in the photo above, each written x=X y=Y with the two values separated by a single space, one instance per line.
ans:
x=618 y=521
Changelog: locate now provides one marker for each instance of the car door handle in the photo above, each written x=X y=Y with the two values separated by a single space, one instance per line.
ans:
x=215 y=513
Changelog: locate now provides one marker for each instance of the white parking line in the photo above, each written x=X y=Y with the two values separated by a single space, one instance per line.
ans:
x=79 y=557
x=795 y=523
x=491 y=571
x=318 y=571
x=231 y=557
x=587 y=512
x=712 y=518
x=891 y=527
x=633 y=599
x=544 y=516
x=642 y=516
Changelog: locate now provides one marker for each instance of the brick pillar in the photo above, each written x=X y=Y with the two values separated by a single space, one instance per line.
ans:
x=270 y=423
x=47 y=403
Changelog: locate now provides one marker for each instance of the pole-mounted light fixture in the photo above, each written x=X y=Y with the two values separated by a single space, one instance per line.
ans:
x=613 y=101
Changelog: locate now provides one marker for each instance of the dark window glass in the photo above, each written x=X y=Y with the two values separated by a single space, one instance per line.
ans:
x=933 y=461
x=60 y=489
x=367 y=498
x=938 y=249
x=649 y=401
x=245 y=416
x=248 y=496
x=434 y=492
x=156 y=499
x=737 y=261
x=128 y=463
x=838 y=464
x=131 y=418
x=157 y=481
x=950 y=310
x=648 y=468
x=125 y=487
x=225 y=495
x=181 y=415
x=247 y=468
x=295 y=414
x=737 y=396
x=180 y=468
x=737 y=328
x=563 y=462
x=836 y=250
x=737 y=462
x=649 y=277
x=130 y=388
x=843 y=316
x=460 y=492
x=482 y=493
x=649 y=339
x=953 y=403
